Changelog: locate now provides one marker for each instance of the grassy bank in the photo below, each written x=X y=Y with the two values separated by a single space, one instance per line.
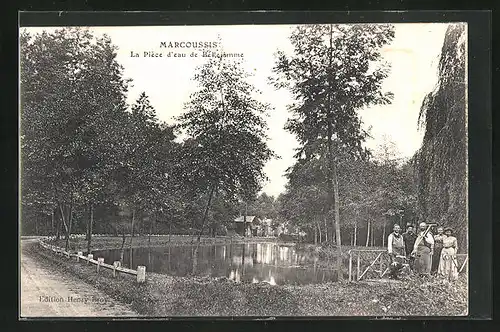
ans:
x=115 y=242
x=164 y=295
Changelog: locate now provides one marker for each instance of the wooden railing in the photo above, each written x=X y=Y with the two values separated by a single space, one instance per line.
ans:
x=140 y=273
x=379 y=265
x=465 y=263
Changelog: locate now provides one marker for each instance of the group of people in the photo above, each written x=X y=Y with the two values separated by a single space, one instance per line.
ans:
x=426 y=254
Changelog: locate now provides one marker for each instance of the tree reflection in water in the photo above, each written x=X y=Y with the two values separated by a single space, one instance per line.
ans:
x=252 y=263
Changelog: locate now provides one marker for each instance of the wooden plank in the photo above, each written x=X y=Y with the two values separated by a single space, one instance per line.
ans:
x=108 y=266
x=350 y=266
x=362 y=274
x=463 y=265
x=358 y=267
x=93 y=261
x=125 y=270
x=83 y=257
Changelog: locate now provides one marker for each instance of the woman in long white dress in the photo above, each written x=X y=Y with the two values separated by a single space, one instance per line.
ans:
x=448 y=265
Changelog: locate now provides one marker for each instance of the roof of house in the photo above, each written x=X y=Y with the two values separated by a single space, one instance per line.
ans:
x=241 y=219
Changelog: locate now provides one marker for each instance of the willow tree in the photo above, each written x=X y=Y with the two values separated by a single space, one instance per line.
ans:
x=442 y=159
x=225 y=150
x=334 y=71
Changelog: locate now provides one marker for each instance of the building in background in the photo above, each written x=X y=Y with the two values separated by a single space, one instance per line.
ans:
x=247 y=226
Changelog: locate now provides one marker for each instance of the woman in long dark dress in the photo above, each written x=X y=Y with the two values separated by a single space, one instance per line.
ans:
x=438 y=246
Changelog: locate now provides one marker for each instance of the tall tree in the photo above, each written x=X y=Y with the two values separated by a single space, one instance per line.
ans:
x=335 y=70
x=146 y=175
x=71 y=86
x=226 y=133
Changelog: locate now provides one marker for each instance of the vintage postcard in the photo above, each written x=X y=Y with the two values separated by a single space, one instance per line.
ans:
x=244 y=170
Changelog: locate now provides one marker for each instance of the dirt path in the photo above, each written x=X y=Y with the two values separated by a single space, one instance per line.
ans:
x=47 y=293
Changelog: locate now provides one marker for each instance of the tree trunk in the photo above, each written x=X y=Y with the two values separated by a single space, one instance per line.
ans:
x=132 y=231
x=149 y=257
x=169 y=260
x=243 y=258
x=122 y=249
x=58 y=229
x=195 y=260
x=207 y=207
x=140 y=222
x=315 y=235
x=61 y=210
x=383 y=236
x=245 y=220
x=52 y=222
x=151 y=228
x=169 y=230
x=372 y=236
x=320 y=234
x=70 y=227
x=36 y=224
x=368 y=233
x=70 y=223
x=356 y=231
x=337 y=223
x=63 y=218
x=57 y=223
x=333 y=189
x=131 y=258
x=326 y=230
x=89 y=227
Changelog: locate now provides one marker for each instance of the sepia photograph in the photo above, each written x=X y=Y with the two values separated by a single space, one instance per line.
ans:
x=257 y=170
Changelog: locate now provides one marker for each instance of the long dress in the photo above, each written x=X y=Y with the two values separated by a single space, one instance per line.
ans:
x=448 y=265
x=436 y=257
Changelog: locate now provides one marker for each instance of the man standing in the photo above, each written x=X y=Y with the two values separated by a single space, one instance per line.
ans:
x=396 y=250
x=423 y=250
x=409 y=238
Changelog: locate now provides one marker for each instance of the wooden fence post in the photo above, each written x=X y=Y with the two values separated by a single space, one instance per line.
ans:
x=381 y=265
x=100 y=260
x=141 y=274
x=464 y=264
x=350 y=265
x=116 y=264
x=78 y=256
x=89 y=257
x=358 y=267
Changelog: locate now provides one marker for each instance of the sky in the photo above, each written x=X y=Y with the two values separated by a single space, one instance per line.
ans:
x=413 y=55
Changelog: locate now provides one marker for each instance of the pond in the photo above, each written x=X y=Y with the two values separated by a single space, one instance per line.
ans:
x=273 y=263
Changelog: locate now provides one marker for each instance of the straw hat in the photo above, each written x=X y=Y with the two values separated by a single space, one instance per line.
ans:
x=448 y=229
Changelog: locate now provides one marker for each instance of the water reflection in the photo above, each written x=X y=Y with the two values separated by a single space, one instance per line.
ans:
x=250 y=262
